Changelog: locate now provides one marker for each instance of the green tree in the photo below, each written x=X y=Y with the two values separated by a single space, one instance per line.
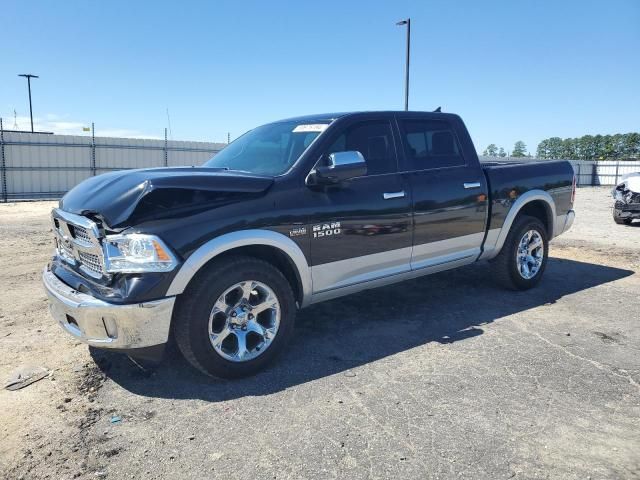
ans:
x=631 y=145
x=586 y=147
x=555 y=147
x=598 y=142
x=618 y=145
x=543 y=149
x=502 y=153
x=519 y=149
x=491 y=151
x=608 y=147
x=569 y=149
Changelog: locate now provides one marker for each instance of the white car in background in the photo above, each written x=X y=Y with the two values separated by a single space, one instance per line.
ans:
x=626 y=197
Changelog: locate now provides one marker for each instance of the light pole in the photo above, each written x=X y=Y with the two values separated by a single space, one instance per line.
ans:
x=406 y=22
x=29 y=76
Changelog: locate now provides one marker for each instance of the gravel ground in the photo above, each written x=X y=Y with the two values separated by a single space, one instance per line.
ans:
x=442 y=377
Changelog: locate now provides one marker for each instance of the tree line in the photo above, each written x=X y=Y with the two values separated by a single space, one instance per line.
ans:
x=519 y=150
x=592 y=147
x=588 y=147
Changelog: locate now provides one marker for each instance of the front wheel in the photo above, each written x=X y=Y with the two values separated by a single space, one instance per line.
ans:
x=234 y=317
x=523 y=258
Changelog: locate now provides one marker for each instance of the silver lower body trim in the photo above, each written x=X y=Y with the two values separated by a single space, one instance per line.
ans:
x=344 y=277
x=564 y=222
x=490 y=249
x=342 y=273
x=106 y=325
x=367 y=268
x=390 y=279
x=444 y=251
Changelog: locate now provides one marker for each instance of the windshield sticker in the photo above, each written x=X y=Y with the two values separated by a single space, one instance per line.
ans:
x=312 y=127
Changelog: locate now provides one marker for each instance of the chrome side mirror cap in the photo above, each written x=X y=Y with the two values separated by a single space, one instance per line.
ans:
x=341 y=166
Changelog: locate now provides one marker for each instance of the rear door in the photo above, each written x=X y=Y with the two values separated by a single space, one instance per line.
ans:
x=362 y=230
x=449 y=193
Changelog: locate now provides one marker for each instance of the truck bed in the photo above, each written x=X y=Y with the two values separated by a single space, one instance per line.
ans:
x=507 y=181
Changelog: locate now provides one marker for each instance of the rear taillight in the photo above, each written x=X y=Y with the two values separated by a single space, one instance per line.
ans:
x=573 y=190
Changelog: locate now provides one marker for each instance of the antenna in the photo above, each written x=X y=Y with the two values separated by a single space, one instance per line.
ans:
x=438 y=110
x=15 y=119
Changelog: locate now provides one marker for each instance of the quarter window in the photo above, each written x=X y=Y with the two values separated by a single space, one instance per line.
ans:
x=430 y=144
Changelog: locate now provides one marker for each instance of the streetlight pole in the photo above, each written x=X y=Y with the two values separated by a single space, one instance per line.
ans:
x=29 y=76
x=406 y=22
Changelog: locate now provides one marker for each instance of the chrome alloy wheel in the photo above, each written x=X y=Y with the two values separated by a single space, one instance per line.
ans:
x=244 y=321
x=530 y=254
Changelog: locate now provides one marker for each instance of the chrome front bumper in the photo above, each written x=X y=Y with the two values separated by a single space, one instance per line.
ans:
x=107 y=325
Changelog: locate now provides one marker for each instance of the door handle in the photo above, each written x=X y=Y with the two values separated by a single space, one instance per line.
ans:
x=389 y=196
x=472 y=185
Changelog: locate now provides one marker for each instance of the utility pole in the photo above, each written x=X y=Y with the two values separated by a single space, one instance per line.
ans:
x=406 y=22
x=29 y=76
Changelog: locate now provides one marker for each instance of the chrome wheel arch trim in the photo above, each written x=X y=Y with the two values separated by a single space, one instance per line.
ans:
x=244 y=238
x=490 y=251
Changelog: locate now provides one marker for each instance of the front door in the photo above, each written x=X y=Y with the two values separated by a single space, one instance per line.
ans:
x=362 y=230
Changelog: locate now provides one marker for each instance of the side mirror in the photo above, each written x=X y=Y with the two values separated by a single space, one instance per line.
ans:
x=342 y=166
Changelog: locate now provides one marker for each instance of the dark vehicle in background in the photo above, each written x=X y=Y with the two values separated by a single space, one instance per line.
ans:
x=626 y=196
x=292 y=213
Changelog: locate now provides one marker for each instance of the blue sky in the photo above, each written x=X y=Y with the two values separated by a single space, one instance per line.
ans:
x=514 y=70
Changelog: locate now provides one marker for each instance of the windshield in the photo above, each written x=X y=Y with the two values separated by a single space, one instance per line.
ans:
x=268 y=150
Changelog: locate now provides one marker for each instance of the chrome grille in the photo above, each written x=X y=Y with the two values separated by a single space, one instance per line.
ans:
x=80 y=233
x=79 y=242
x=91 y=261
x=66 y=251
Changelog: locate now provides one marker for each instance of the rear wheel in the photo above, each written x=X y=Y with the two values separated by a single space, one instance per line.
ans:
x=234 y=317
x=523 y=258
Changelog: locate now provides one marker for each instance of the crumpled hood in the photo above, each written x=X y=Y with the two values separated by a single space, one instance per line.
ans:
x=159 y=192
x=631 y=181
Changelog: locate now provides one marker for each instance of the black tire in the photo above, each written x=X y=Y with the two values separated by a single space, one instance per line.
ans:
x=194 y=306
x=505 y=265
x=618 y=219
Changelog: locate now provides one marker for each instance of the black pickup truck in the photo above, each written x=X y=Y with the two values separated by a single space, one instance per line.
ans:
x=292 y=213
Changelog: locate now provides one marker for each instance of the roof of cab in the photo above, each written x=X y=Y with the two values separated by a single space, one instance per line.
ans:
x=320 y=117
x=329 y=117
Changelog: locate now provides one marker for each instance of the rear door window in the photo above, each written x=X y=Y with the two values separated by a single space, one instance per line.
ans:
x=430 y=144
